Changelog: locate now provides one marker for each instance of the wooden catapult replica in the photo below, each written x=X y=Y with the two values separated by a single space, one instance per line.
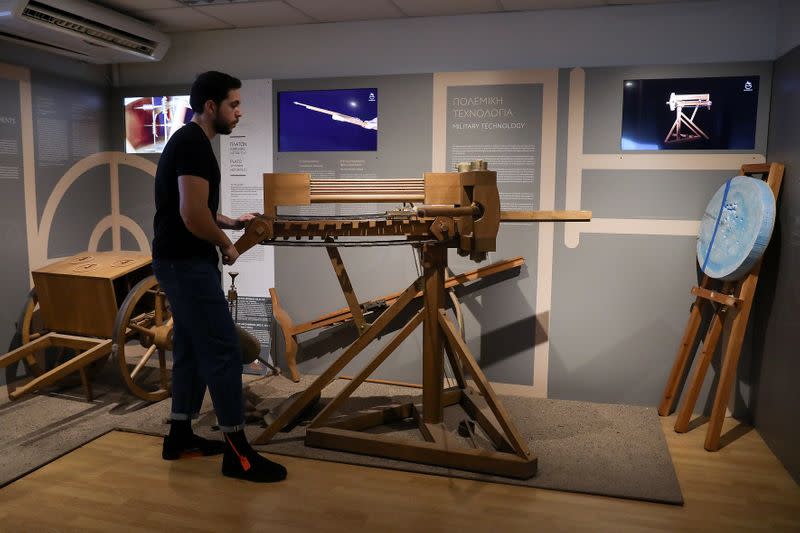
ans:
x=676 y=103
x=458 y=210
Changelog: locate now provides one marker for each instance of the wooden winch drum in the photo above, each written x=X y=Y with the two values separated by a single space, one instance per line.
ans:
x=251 y=346
x=736 y=228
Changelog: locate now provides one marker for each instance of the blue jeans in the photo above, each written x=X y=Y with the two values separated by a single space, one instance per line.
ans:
x=206 y=349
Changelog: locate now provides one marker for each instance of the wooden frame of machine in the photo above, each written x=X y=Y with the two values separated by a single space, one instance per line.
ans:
x=459 y=210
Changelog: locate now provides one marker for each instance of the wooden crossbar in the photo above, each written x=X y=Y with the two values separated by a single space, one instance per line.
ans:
x=291 y=331
x=715 y=296
x=330 y=373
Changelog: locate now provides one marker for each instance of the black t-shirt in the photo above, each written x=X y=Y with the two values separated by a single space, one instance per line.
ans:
x=188 y=152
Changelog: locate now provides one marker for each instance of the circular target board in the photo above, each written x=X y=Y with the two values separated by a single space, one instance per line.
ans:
x=736 y=228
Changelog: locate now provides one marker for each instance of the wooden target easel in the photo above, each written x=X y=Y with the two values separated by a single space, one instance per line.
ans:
x=733 y=300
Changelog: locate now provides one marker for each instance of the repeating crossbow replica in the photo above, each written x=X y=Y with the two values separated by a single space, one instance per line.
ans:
x=455 y=210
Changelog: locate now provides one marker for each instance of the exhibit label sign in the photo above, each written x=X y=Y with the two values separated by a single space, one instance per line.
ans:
x=501 y=124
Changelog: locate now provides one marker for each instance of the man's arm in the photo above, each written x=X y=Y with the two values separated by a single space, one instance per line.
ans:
x=196 y=216
x=225 y=222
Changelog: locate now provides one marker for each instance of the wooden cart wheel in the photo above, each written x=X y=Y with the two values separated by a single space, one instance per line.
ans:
x=144 y=317
x=29 y=327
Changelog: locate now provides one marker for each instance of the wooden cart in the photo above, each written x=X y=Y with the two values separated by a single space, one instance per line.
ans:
x=85 y=308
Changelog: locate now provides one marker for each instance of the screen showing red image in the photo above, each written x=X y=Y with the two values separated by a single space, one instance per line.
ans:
x=151 y=120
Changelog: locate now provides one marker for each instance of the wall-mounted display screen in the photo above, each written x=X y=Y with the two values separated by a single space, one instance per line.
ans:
x=690 y=113
x=151 y=120
x=328 y=120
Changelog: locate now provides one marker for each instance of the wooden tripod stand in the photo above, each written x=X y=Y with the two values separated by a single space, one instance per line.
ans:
x=733 y=302
x=511 y=457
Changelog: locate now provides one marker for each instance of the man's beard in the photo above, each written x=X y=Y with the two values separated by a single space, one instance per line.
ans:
x=222 y=127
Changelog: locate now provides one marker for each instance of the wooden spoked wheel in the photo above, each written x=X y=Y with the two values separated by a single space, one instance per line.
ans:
x=29 y=327
x=144 y=322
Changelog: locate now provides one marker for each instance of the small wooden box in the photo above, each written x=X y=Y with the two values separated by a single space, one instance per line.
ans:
x=81 y=295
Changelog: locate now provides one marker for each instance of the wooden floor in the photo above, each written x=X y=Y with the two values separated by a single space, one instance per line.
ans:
x=118 y=482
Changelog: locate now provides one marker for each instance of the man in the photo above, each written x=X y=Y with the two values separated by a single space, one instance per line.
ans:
x=188 y=231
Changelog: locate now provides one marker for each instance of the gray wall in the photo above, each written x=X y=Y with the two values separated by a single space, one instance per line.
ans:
x=500 y=320
x=775 y=312
x=631 y=343
x=47 y=63
x=607 y=343
x=788 y=26
x=70 y=121
x=14 y=282
x=305 y=281
x=700 y=32
x=620 y=302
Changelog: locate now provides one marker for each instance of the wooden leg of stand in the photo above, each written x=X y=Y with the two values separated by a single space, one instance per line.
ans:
x=709 y=347
x=473 y=405
x=367 y=370
x=347 y=288
x=682 y=359
x=499 y=412
x=455 y=364
x=360 y=343
x=730 y=359
x=87 y=384
x=287 y=327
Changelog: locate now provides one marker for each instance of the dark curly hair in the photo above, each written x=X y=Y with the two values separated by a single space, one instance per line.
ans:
x=212 y=85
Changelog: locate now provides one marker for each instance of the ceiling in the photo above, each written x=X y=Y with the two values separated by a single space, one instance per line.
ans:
x=197 y=15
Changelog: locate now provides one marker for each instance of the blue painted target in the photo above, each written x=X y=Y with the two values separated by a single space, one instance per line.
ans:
x=736 y=228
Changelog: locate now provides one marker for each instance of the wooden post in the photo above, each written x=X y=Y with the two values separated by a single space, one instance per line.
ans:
x=434 y=261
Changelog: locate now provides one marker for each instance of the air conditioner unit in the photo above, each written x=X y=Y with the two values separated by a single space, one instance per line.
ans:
x=80 y=29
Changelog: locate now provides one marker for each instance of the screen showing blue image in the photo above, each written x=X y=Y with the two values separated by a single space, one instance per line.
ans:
x=328 y=120
x=690 y=113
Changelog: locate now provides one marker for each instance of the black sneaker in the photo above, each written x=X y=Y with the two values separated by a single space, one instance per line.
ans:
x=191 y=446
x=252 y=467
x=243 y=462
